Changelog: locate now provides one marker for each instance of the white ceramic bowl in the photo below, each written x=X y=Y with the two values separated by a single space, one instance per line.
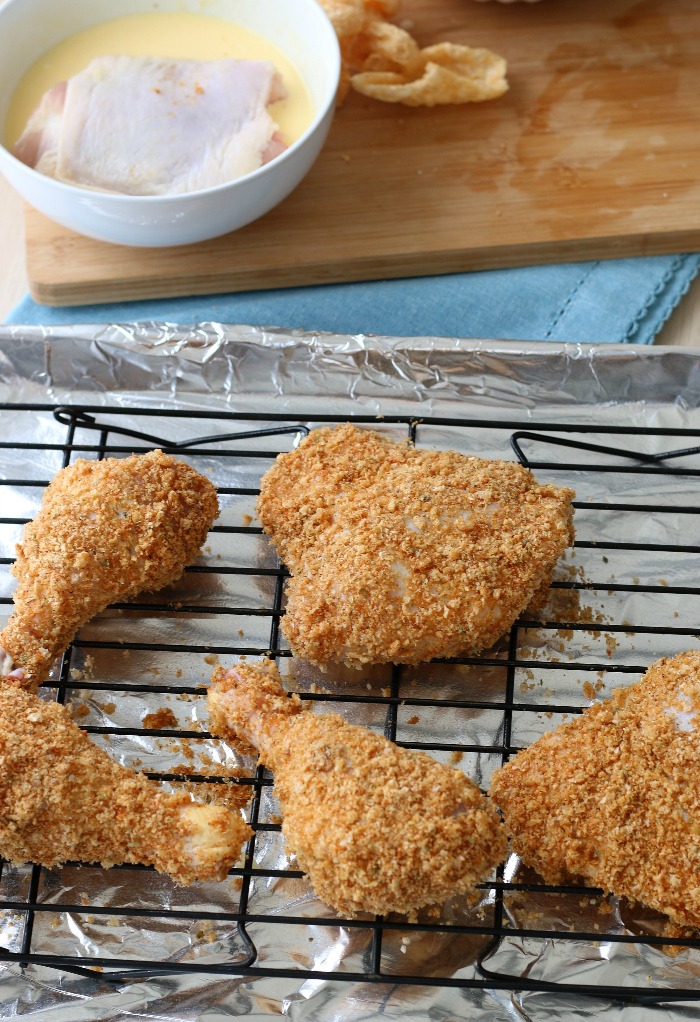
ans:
x=300 y=28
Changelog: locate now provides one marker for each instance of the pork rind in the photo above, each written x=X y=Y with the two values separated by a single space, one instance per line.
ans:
x=384 y=61
x=446 y=73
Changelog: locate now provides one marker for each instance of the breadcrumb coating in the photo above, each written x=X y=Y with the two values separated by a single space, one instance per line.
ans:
x=106 y=530
x=377 y=828
x=399 y=555
x=613 y=797
x=63 y=799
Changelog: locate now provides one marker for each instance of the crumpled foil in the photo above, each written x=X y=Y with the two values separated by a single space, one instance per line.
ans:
x=499 y=386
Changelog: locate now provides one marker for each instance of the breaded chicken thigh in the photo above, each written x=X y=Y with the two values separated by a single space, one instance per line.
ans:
x=105 y=531
x=62 y=799
x=399 y=555
x=377 y=828
x=613 y=797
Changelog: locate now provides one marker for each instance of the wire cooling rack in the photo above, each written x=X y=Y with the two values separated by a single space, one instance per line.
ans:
x=627 y=595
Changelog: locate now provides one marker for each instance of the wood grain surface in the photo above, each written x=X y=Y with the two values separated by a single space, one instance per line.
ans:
x=593 y=153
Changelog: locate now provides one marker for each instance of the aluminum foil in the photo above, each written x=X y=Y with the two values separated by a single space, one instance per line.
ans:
x=218 y=368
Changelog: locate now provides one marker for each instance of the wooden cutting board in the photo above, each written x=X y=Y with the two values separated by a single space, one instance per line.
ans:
x=593 y=153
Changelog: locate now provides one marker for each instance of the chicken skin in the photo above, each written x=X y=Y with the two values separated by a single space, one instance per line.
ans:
x=202 y=123
x=105 y=531
x=377 y=828
x=62 y=798
x=399 y=555
x=613 y=797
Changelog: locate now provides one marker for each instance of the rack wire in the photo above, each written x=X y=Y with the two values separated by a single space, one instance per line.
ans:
x=612 y=611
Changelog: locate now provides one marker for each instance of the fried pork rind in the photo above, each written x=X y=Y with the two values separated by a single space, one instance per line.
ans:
x=347 y=16
x=383 y=60
x=446 y=73
x=613 y=797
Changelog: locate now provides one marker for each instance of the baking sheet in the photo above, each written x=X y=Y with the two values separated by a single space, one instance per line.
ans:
x=207 y=372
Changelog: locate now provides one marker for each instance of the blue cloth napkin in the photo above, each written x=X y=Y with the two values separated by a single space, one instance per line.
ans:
x=617 y=301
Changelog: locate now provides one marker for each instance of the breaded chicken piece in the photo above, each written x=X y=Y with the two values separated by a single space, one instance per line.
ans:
x=399 y=555
x=376 y=827
x=62 y=798
x=613 y=797
x=105 y=531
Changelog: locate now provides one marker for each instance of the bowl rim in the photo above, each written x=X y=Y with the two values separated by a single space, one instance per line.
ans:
x=118 y=198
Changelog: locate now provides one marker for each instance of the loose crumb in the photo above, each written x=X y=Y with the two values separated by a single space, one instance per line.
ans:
x=588 y=690
x=160 y=719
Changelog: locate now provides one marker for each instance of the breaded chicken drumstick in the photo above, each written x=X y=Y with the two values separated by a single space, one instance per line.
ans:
x=376 y=827
x=62 y=799
x=105 y=531
x=399 y=555
x=613 y=797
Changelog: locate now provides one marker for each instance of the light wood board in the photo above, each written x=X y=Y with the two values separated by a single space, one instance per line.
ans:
x=593 y=153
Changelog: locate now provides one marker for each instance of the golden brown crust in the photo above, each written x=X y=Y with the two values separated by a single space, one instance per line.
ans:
x=62 y=798
x=399 y=555
x=377 y=828
x=106 y=530
x=613 y=797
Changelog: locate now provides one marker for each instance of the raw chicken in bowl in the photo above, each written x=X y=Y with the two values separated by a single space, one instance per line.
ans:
x=214 y=162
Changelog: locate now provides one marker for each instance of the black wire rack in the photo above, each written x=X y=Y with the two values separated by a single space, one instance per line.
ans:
x=627 y=595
